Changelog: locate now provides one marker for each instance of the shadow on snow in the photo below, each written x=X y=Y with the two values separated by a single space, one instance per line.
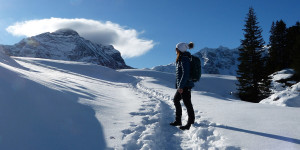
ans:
x=34 y=116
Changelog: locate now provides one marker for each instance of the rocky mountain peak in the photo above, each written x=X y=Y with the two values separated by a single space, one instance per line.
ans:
x=66 y=32
x=66 y=44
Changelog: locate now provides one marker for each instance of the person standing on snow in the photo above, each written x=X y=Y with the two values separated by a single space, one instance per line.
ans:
x=183 y=85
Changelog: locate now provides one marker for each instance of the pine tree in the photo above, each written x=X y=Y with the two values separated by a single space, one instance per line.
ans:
x=293 y=37
x=296 y=59
x=254 y=83
x=272 y=57
x=279 y=54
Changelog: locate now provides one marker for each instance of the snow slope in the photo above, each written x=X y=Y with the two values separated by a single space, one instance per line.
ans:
x=283 y=95
x=51 y=104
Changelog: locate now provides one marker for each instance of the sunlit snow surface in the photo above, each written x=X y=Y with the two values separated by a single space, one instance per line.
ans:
x=50 y=104
x=283 y=95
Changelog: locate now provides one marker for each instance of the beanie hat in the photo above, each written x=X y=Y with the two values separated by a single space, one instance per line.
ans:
x=182 y=46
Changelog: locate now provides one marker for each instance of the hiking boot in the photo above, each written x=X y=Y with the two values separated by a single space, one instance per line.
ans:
x=186 y=127
x=176 y=123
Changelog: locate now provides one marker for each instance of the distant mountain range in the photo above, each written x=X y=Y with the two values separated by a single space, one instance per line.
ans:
x=66 y=44
x=220 y=60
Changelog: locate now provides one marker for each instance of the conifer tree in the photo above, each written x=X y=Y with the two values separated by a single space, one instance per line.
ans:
x=279 y=54
x=254 y=83
x=293 y=37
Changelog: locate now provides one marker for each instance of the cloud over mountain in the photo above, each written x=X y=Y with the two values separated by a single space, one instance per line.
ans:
x=125 y=40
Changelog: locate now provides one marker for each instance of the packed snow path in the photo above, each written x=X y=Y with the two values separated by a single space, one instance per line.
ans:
x=70 y=105
x=154 y=131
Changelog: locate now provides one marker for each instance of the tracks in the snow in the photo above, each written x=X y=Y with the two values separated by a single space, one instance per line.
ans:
x=154 y=131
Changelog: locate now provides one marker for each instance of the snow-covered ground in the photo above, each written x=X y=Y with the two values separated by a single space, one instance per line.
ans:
x=51 y=104
x=282 y=95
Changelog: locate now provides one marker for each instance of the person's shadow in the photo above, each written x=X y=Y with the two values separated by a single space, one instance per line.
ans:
x=273 y=136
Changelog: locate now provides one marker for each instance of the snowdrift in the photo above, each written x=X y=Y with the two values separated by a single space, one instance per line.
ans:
x=282 y=94
x=4 y=59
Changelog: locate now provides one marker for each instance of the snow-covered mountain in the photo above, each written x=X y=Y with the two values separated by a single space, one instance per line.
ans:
x=220 y=60
x=66 y=44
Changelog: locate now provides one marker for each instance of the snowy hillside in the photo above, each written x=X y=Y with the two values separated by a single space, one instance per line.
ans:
x=284 y=95
x=66 y=44
x=220 y=60
x=54 y=104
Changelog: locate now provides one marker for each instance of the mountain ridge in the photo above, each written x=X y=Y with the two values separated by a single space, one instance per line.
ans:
x=221 y=60
x=66 y=44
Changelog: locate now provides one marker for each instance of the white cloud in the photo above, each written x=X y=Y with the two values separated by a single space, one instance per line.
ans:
x=125 y=40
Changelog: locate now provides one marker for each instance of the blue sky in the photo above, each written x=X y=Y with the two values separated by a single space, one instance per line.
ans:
x=154 y=26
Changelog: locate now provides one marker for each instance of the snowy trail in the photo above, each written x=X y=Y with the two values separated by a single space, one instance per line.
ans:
x=152 y=132
x=155 y=124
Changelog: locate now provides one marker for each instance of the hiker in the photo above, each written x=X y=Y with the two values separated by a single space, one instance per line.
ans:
x=183 y=85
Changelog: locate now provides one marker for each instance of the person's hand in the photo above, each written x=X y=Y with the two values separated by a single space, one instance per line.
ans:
x=180 y=91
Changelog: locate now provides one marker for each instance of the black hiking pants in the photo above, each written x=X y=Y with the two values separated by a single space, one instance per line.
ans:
x=186 y=97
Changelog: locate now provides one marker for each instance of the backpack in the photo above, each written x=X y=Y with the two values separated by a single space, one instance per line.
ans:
x=195 y=72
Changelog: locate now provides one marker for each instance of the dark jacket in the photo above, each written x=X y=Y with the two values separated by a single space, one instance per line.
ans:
x=183 y=71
